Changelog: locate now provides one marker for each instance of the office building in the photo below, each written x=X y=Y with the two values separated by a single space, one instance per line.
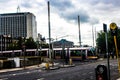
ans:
x=18 y=25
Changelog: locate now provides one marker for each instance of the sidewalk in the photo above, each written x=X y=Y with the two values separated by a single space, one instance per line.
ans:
x=42 y=65
x=15 y=69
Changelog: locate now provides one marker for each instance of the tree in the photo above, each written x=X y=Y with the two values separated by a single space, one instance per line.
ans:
x=13 y=46
x=101 y=41
x=30 y=43
x=101 y=44
x=20 y=41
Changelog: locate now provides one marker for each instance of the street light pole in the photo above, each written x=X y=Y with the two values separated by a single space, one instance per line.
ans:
x=49 y=30
x=79 y=31
x=93 y=34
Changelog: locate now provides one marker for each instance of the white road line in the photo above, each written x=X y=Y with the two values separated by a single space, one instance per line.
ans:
x=14 y=74
x=41 y=79
x=90 y=72
x=84 y=73
x=4 y=79
x=27 y=72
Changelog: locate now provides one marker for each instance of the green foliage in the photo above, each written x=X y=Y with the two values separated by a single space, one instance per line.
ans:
x=30 y=43
x=101 y=41
x=19 y=43
x=13 y=46
x=45 y=45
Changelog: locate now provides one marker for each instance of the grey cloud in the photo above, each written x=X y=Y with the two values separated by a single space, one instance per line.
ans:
x=93 y=20
x=95 y=2
x=113 y=2
x=61 y=4
x=4 y=1
x=26 y=4
x=84 y=17
x=72 y=16
x=67 y=10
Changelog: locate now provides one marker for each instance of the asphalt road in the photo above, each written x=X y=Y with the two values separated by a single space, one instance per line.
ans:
x=82 y=71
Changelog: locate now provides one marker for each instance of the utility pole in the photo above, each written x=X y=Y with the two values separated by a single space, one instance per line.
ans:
x=79 y=31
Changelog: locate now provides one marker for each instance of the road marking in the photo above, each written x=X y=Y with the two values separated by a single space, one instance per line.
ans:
x=90 y=72
x=41 y=79
x=84 y=73
x=27 y=72
x=4 y=79
x=14 y=74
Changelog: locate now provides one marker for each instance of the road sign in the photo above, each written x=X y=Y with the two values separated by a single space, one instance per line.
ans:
x=113 y=26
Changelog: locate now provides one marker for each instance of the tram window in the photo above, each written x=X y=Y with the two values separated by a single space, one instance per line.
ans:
x=58 y=53
x=83 y=51
x=43 y=53
x=90 y=53
x=75 y=53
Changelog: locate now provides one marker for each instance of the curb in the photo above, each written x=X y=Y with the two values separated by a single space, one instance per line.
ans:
x=50 y=68
x=66 y=66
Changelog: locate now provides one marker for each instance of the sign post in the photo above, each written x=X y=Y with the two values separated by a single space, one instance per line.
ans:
x=113 y=28
x=106 y=39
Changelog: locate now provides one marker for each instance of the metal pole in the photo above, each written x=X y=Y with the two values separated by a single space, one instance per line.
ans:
x=24 y=57
x=115 y=41
x=1 y=43
x=107 y=56
x=93 y=35
x=79 y=30
x=37 y=52
x=49 y=30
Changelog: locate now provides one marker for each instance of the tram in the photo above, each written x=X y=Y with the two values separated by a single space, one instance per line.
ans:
x=81 y=53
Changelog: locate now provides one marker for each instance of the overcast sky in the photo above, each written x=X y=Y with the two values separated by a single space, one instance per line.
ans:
x=64 y=16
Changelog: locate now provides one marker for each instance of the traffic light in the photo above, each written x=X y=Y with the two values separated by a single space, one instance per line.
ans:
x=101 y=72
x=104 y=27
x=113 y=29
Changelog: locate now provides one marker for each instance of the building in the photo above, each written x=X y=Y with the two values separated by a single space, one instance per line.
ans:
x=5 y=41
x=18 y=25
x=63 y=43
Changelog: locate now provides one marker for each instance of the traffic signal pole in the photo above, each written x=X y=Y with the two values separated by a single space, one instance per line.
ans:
x=115 y=41
x=113 y=28
x=106 y=39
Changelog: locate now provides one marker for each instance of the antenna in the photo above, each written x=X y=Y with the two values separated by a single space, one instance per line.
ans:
x=18 y=7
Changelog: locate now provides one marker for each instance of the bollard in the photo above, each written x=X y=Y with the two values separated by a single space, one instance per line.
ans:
x=70 y=60
x=47 y=66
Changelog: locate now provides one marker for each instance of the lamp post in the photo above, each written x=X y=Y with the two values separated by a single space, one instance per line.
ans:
x=93 y=35
x=23 y=50
x=37 y=53
x=49 y=30
x=1 y=44
x=79 y=31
